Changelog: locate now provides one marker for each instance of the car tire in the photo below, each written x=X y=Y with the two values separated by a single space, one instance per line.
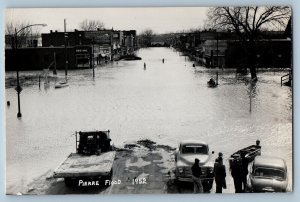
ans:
x=207 y=186
x=69 y=181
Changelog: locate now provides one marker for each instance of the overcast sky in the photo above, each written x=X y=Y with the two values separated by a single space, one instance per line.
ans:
x=159 y=19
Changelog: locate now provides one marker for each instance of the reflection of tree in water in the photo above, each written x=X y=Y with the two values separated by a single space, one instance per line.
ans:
x=252 y=92
x=252 y=89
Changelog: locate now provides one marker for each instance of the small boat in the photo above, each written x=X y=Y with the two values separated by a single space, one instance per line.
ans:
x=61 y=84
x=212 y=83
x=249 y=152
x=130 y=57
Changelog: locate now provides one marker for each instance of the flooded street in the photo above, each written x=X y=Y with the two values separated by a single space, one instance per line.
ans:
x=166 y=103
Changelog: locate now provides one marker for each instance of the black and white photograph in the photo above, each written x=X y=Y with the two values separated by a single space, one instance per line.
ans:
x=149 y=100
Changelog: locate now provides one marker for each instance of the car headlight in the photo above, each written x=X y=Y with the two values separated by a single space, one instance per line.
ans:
x=180 y=170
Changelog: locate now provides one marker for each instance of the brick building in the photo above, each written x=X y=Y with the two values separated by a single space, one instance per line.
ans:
x=81 y=49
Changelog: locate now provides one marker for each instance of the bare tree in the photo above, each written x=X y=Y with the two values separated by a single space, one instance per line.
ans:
x=247 y=22
x=91 y=25
x=12 y=27
x=146 y=37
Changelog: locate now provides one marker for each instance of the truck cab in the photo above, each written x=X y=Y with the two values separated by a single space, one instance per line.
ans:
x=92 y=163
x=93 y=142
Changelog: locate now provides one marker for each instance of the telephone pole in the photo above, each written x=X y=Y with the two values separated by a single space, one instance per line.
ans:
x=66 y=54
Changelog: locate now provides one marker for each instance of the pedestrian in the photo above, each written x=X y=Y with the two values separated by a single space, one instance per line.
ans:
x=220 y=174
x=144 y=65
x=236 y=173
x=163 y=60
x=244 y=171
x=258 y=147
x=196 y=173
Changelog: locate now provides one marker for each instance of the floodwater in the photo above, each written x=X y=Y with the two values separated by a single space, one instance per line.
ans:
x=166 y=102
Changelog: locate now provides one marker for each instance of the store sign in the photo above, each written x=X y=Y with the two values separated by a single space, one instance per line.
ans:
x=101 y=37
x=82 y=50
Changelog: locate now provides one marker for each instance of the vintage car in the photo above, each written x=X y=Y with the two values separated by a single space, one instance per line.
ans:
x=185 y=157
x=267 y=174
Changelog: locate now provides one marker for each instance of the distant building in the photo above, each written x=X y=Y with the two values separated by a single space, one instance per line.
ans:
x=225 y=50
x=81 y=49
x=23 y=42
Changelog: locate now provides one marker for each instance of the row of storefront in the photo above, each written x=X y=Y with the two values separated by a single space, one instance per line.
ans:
x=225 y=50
x=72 y=50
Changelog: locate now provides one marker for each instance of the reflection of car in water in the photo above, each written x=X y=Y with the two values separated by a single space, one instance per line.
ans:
x=185 y=158
x=268 y=174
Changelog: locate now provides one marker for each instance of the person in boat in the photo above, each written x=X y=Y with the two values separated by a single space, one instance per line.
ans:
x=258 y=144
x=211 y=81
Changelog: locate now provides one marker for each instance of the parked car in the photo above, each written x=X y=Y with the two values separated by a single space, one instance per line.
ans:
x=185 y=158
x=267 y=174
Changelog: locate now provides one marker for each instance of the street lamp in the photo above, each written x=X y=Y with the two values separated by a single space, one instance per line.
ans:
x=66 y=54
x=15 y=47
x=93 y=63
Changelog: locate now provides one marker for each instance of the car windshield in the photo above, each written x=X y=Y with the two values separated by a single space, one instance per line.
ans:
x=269 y=173
x=194 y=149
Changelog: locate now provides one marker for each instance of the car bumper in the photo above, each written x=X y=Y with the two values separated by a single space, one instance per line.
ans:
x=189 y=179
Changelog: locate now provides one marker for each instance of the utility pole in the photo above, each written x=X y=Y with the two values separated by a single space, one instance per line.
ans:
x=66 y=54
x=251 y=89
x=217 y=49
x=54 y=58
x=93 y=57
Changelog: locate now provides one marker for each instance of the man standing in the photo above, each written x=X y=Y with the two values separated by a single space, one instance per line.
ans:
x=196 y=173
x=245 y=163
x=220 y=174
x=236 y=169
